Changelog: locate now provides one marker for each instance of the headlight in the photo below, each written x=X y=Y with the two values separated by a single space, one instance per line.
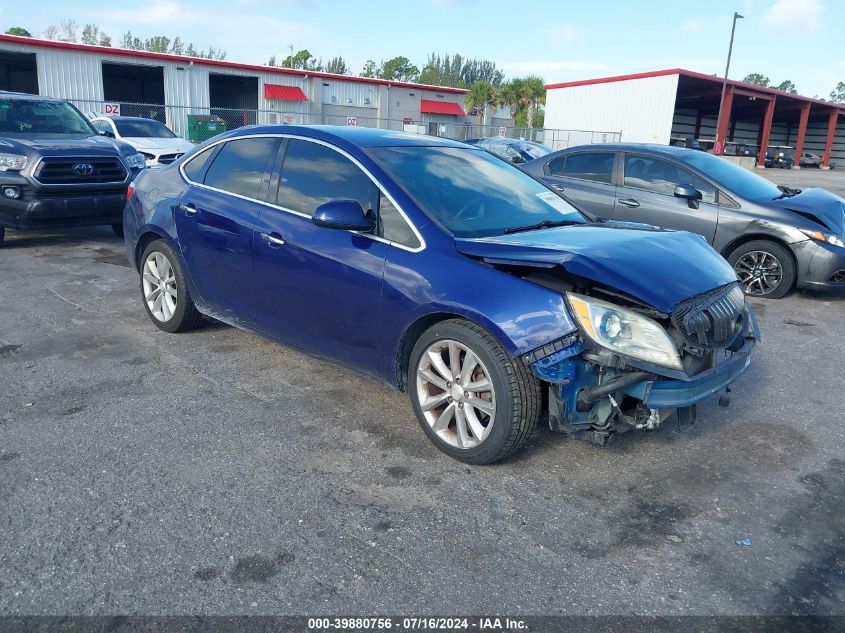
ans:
x=824 y=237
x=136 y=161
x=10 y=162
x=624 y=331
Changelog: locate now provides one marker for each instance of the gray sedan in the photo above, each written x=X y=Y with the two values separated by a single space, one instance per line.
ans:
x=774 y=237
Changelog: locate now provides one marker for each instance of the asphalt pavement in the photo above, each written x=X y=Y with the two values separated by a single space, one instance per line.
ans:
x=217 y=472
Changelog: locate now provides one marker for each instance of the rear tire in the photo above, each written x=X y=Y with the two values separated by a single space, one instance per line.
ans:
x=756 y=264
x=117 y=228
x=164 y=290
x=488 y=417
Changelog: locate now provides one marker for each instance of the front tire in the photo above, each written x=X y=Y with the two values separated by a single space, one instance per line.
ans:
x=474 y=402
x=164 y=290
x=765 y=269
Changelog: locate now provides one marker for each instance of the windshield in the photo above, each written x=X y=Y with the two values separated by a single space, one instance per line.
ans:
x=33 y=118
x=732 y=177
x=146 y=128
x=472 y=193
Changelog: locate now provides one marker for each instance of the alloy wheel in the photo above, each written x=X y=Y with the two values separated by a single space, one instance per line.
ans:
x=159 y=284
x=456 y=394
x=759 y=272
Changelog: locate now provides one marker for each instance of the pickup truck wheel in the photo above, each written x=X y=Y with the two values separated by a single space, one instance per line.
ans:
x=475 y=402
x=164 y=290
x=118 y=229
x=765 y=269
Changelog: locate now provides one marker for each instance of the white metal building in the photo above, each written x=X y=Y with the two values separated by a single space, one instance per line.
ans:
x=679 y=106
x=170 y=87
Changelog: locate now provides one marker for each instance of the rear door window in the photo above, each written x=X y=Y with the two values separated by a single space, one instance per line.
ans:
x=594 y=166
x=653 y=174
x=240 y=165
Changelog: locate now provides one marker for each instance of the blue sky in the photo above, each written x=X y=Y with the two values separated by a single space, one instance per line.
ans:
x=564 y=40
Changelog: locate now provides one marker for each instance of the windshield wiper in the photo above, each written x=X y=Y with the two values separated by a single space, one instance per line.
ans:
x=788 y=192
x=545 y=224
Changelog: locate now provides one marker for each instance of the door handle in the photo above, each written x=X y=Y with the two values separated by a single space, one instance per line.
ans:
x=558 y=187
x=628 y=202
x=187 y=209
x=273 y=240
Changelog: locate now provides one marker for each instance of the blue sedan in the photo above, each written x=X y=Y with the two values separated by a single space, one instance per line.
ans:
x=443 y=271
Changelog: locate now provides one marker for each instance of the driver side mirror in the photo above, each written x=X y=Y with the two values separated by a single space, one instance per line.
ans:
x=343 y=214
x=689 y=192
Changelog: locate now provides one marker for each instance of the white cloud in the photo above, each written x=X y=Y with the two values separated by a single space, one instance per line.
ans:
x=558 y=71
x=562 y=34
x=245 y=34
x=792 y=15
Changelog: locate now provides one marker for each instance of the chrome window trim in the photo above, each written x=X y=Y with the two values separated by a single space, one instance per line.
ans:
x=354 y=160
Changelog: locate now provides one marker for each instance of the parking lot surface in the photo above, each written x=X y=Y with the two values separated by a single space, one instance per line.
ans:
x=807 y=177
x=217 y=472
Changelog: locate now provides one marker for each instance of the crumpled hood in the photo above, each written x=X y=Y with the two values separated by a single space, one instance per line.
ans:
x=659 y=267
x=827 y=207
x=94 y=145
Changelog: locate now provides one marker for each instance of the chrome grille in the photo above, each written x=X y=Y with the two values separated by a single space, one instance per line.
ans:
x=713 y=319
x=166 y=159
x=63 y=171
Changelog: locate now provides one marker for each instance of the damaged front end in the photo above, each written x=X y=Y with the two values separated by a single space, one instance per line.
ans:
x=630 y=366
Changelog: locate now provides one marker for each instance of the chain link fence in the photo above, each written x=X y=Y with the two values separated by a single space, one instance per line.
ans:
x=176 y=117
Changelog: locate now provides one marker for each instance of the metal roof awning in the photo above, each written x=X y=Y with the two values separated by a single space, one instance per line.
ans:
x=441 y=107
x=284 y=93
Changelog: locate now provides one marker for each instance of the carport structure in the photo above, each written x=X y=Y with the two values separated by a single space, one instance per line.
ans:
x=749 y=108
x=681 y=106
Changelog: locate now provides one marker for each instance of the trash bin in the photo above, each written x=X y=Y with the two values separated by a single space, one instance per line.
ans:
x=203 y=126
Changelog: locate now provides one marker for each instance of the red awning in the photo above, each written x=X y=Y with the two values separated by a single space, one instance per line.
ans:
x=441 y=107
x=284 y=93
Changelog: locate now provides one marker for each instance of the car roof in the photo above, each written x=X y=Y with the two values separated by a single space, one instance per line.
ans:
x=666 y=150
x=358 y=136
x=23 y=96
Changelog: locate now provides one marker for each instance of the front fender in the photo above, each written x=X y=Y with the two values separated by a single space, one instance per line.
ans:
x=521 y=315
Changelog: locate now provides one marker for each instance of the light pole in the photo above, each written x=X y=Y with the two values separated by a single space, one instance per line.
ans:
x=719 y=147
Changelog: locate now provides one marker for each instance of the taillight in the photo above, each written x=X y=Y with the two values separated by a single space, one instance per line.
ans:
x=130 y=191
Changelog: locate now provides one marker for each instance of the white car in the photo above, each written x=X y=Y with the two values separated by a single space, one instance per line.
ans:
x=153 y=139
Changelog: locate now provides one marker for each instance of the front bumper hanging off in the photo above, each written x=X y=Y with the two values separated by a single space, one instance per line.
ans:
x=585 y=396
x=674 y=394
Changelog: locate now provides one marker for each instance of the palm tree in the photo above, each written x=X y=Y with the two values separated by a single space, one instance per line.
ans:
x=533 y=94
x=482 y=96
x=510 y=95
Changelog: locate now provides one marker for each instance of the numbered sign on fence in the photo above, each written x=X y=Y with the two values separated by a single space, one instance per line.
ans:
x=111 y=109
x=351 y=120
x=502 y=131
